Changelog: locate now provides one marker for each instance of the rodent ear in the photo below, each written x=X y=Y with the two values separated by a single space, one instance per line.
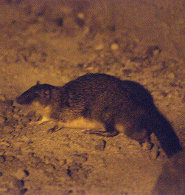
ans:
x=38 y=83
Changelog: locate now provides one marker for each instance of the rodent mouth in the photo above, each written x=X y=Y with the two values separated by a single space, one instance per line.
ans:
x=18 y=100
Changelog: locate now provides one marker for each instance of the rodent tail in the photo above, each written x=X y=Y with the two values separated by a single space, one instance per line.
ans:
x=164 y=132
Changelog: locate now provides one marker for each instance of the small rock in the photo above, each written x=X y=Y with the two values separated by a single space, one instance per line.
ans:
x=127 y=71
x=114 y=46
x=60 y=21
x=70 y=192
x=2 y=159
x=99 y=47
x=16 y=110
x=49 y=167
x=23 y=191
x=20 y=174
x=18 y=183
x=80 y=158
x=153 y=51
x=81 y=15
x=2 y=119
x=11 y=122
x=2 y=97
x=171 y=75
x=4 y=145
x=183 y=99
x=3 y=189
x=82 y=192
x=11 y=158
x=80 y=19
x=101 y=145
x=7 y=129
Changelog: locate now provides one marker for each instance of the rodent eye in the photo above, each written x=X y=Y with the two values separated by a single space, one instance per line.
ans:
x=45 y=94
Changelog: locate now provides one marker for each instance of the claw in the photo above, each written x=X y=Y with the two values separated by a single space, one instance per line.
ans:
x=53 y=129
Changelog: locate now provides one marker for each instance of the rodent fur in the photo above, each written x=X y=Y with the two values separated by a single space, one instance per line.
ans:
x=110 y=101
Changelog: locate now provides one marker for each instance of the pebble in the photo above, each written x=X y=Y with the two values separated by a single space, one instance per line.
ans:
x=18 y=183
x=81 y=15
x=2 y=119
x=80 y=158
x=100 y=145
x=3 y=189
x=183 y=99
x=153 y=51
x=2 y=97
x=7 y=129
x=23 y=191
x=20 y=174
x=114 y=46
x=49 y=167
x=2 y=159
x=156 y=52
x=99 y=47
x=171 y=75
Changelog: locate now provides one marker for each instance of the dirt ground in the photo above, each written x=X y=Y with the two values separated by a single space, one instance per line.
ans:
x=56 y=41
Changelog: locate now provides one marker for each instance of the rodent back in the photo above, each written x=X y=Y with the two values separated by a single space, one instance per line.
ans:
x=109 y=88
x=101 y=93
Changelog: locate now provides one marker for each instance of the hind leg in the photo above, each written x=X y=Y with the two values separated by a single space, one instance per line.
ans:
x=148 y=147
x=107 y=119
x=140 y=135
x=137 y=133
x=144 y=138
x=110 y=131
x=146 y=144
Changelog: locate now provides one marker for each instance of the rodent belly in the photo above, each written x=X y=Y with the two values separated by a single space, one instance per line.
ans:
x=82 y=123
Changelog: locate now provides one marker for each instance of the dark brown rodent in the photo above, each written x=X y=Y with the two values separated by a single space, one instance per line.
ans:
x=110 y=101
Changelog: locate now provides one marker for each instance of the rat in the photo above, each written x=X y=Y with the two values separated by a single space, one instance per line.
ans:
x=117 y=105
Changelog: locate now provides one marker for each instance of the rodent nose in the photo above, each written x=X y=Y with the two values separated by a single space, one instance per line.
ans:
x=18 y=100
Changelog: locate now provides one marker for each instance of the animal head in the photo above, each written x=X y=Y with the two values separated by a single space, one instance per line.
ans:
x=40 y=93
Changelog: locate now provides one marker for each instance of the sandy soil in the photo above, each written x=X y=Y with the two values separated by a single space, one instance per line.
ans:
x=56 y=41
